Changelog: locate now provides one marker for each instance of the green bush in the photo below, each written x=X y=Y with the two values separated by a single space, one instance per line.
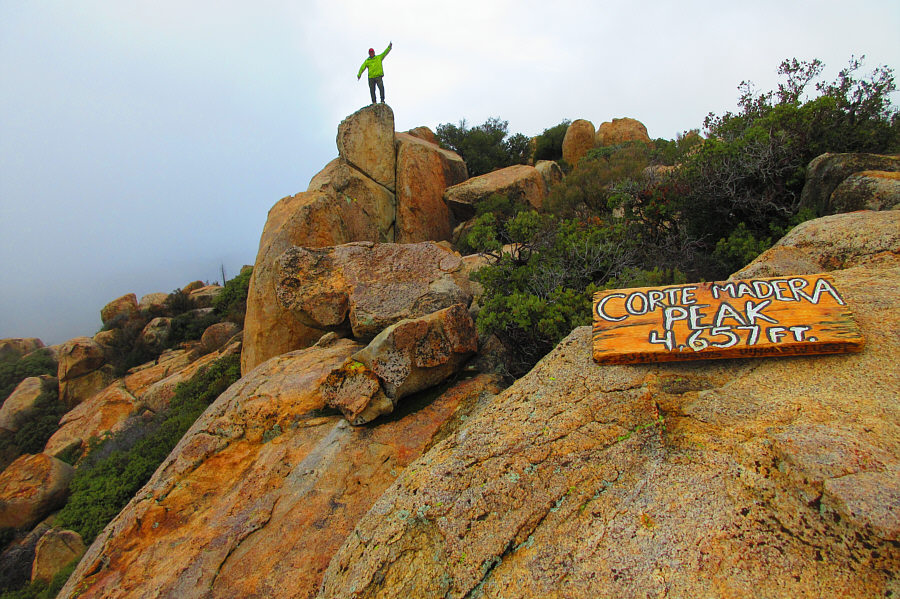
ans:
x=34 y=433
x=115 y=469
x=231 y=303
x=587 y=189
x=485 y=147
x=548 y=145
x=536 y=294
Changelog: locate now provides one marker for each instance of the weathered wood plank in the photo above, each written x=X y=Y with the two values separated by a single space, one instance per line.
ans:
x=780 y=316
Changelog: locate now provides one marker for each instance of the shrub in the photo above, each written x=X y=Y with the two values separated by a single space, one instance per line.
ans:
x=115 y=469
x=231 y=303
x=41 y=590
x=33 y=435
x=587 y=189
x=548 y=145
x=485 y=147
x=536 y=294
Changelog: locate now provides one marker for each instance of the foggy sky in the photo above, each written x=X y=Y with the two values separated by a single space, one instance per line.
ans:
x=142 y=143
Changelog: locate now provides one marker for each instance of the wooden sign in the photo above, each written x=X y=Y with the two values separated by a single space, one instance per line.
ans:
x=728 y=319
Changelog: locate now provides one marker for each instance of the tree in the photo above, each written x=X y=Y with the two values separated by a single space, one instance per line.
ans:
x=485 y=147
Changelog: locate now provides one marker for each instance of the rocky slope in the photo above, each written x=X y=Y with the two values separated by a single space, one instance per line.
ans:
x=689 y=480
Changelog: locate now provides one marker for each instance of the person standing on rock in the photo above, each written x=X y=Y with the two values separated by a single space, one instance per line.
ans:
x=376 y=71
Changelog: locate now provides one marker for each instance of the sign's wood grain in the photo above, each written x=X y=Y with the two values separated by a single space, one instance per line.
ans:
x=781 y=316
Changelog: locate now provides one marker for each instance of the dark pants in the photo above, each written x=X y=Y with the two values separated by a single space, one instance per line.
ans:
x=372 y=83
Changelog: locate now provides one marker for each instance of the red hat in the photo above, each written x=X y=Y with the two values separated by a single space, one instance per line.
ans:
x=371 y=50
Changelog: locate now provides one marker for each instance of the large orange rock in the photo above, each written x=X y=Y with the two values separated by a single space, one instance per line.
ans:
x=32 y=487
x=262 y=489
x=349 y=184
x=122 y=307
x=22 y=404
x=311 y=219
x=424 y=171
x=364 y=287
x=520 y=182
x=140 y=378
x=74 y=391
x=365 y=139
x=578 y=140
x=621 y=130
x=78 y=357
x=407 y=357
x=104 y=412
x=775 y=477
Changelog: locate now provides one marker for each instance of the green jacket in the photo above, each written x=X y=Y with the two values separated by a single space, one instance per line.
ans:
x=374 y=65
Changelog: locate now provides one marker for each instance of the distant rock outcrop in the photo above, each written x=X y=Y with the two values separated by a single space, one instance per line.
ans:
x=621 y=130
x=15 y=348
x=578 y=140
x=55 y=550
x=550 y=171
x=123 y=307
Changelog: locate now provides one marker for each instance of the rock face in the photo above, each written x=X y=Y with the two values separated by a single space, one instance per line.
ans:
x=217 y=335
x=405 y=358
x=424 y=171
x=325 y=215
x=78 y=357
x=829 y=243
x=520 y=182
x=550 y=171
x=15 y=348
x=22 y=403
x=32 y=487
x=265 y=485
x=351 y=185
x=867 y=190
x=365 y=139
x=81 y=370
x=578 y=140
x=739 y=478
x=621 y=130
x=824 y=173
x=203 y=296
x=365 y=287
x=123 y=307
x=156 y=333
x=153 y=301
x=55 y=550
x=104 y=412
